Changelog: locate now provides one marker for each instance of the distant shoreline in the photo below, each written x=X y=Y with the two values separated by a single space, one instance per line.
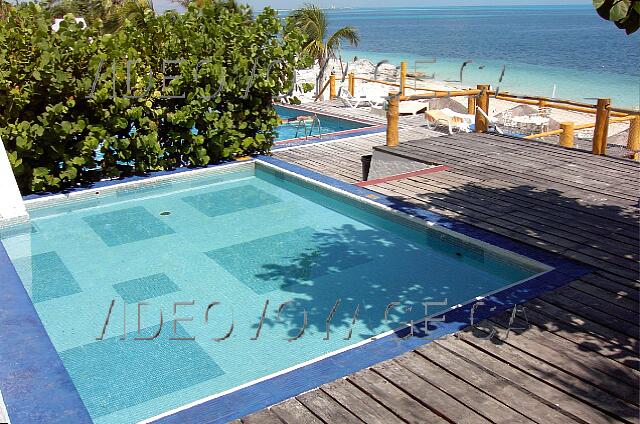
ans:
x=522 y=78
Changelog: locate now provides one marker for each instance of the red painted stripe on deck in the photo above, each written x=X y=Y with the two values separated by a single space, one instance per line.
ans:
x=401 y=176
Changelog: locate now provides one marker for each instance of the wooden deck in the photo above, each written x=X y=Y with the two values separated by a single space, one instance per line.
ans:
x=578 y=362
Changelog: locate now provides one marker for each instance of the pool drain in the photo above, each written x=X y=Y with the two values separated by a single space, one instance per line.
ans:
x=165 y=213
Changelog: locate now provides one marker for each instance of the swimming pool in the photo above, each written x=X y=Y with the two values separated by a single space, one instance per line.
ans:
x=238 y=235
x=328 y=125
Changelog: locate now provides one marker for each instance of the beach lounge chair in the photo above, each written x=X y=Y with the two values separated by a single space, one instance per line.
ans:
x=532 y=124
x=351 y=101
x=375 y=95
x=444 y=119
x=364 y=97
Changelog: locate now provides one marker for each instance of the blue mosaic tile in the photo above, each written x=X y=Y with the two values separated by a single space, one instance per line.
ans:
x=293 y=259
x=114 y=374
x=127 y=226
x=139 y=289
x=50 y=278
x=230 y=200
x=33 y=380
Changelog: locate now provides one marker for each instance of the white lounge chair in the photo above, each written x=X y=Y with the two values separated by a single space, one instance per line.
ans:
x=445 y=118
x=456 y=122
x=375 y=95
x=351 y=101
x=363 y=97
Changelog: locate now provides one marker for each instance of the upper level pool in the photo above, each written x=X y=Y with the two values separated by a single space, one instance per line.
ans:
x=301 y=124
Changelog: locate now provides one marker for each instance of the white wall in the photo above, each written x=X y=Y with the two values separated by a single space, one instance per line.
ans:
x=11 y=205
x=4 y=416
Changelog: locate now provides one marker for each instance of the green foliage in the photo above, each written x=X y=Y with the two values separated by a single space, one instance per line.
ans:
x=4 y=9
x=624 y=13
x=58 y=132
x=110 y=14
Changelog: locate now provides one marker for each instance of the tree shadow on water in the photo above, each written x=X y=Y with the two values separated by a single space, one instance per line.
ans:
x=344 y=264
x=590 y=324
x=583 y=337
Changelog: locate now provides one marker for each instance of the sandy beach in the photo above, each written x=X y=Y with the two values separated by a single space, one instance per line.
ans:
x=390 y=73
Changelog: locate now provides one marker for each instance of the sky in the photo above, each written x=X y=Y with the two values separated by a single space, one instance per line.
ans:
x=290 y=4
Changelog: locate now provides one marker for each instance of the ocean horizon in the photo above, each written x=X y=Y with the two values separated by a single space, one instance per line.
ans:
x=562 y=50
x=539 y=47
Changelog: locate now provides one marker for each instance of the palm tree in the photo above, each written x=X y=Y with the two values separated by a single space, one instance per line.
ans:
x=321 y=46
x=133 y=10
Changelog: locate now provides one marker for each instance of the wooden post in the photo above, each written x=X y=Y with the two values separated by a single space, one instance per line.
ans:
x=403 y=77
x=393 y=111
x=332 y=86
x=634 y=137
x=471 y=105
x=601 y=130
x=566 y=138
x=483 y=103
x=352 y=84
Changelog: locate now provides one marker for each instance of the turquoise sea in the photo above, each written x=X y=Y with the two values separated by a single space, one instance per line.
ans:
x=538 y=46
x=570 y=46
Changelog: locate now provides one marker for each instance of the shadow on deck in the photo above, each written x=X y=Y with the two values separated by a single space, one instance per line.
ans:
x=577 y=361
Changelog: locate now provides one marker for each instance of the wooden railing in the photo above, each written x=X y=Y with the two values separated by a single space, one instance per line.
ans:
x=478 y=100
x=567 y=131
x=332 y=81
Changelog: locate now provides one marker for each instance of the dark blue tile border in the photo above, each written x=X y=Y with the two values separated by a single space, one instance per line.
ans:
x=35 y=384
x=263 y=394
x=37 y=388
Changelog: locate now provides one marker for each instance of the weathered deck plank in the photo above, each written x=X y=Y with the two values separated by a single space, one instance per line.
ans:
x=478 y=401
x=496 y=387
x=591 y=395
x=403 y=405
x=359 y=403
x=539 y=389
x=326 y=408
x=424 y=392
x=292 y=411
x=578 y=360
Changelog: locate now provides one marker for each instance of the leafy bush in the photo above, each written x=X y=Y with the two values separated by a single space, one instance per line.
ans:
x=59 y=131
x=624 y=13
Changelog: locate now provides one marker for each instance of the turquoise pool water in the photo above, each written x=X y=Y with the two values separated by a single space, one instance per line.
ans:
x=237 y=236
x=328 y=124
